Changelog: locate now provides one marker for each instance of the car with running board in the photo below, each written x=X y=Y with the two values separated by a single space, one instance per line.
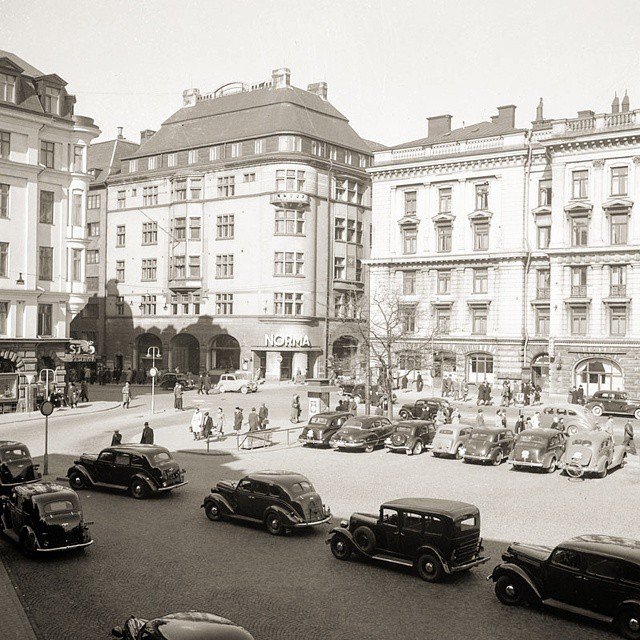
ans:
x=321 y=427
x=16 y=466
x=436 y=537
x=362 y=433
x=411 y=437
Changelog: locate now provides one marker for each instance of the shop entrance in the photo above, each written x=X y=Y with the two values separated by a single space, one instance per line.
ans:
x=286 y=366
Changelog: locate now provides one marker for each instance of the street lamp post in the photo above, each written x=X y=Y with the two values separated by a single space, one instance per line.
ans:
x=153 y=353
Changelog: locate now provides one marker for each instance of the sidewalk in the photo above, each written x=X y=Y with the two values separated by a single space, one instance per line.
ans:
x=15 y=624
x=63 y=412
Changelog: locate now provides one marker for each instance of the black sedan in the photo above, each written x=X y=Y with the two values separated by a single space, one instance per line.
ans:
x=614 y=403
x=321 y=427
x=362 y=433
x=426 y=409
x=411 y=436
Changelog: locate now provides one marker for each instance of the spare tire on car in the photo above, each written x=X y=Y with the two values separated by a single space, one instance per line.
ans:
x=365 y=539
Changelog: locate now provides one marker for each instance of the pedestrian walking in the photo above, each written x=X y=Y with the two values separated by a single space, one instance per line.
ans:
x=498 y=419
x=352 y=405
x=465 y=391
x=196 y=424
x=207 y=425
x=419 y=383
x=73 y=396
x=295 y=409
x=608 y=427
x=439 y=419
x=126 y=395
x=207 y=383
x=254 y=420
x=263 y=415
x=628 y=441
x=535 y=420
x=116 y=438
x=147 y=434
x=177 y=396
x=84 y=391
x=456 y=417
x=238 y=418
x=519 y=426
x=404 y=382
x=480 y=399
x=580 y=395
x=480 y=418
x=201 y=385
x=537 y=394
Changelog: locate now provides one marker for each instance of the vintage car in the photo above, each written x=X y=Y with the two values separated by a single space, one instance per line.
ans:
x=322 y=426
x=592 y=453
x=593 y=575
x=572 y=417
x=538 y=449
x=426 y=408
x=140 y=469
x=191 y=625
x=613 y=402
x=280 y=500
x=16 y=466
x=436 y=537
x=357 y=391
x=489 y=444
x=169 y=378
x=411 y=436
x=362 y=433
x=238 y=381
x=451 y=441
x=44 y=517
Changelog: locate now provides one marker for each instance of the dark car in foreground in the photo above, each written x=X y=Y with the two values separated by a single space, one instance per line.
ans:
x=613 y=403
x=168 y=381
x=436 y=537
x=538 y=449
x=190 y=625
x=426 y=409
x=140 y=469
x=362 y=433
x=489 y=444
x=593 y=575
x=16 y=466
x=280 y=500
x=44 y=517
x=321 y=427
x=411 y=436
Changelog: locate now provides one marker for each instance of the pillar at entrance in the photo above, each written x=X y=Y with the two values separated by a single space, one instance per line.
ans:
x=300 y=363
x=273 y=365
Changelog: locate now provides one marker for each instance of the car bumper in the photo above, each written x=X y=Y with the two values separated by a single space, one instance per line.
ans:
x=348 y=445
x=172 y=486
x=315 y=523
x=525 y=463
x=397 y=447
x=311 y=441
x=469 y=565
x=475 y=457
x=70 y=547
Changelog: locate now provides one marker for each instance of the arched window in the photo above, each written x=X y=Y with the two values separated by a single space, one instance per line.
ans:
x=480 y=368
x=225 y=353
x=595 y=374
x=540 y=369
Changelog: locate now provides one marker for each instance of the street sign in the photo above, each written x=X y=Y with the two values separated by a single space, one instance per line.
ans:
x=278 y=358
x=46 y=408
x=153 y=372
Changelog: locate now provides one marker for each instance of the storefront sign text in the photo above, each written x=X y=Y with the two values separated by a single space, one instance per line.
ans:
x=278 y=340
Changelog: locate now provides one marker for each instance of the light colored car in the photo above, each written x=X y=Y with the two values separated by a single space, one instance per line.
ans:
x=451 y=441
x=239 y=381
x=592 y=453
x=574 y=417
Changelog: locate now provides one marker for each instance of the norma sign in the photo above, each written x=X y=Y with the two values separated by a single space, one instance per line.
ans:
x=279 y=340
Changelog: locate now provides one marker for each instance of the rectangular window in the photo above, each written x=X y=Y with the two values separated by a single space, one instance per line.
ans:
x=580 y=232
x=289 y=180
x=48 y=154
x=120 y=305
x=171 y=160
x=579 y=321
x=618 y=281
x=408 y=319
x=45 y=263
x=226 y=186
x=351 y=230
x=120 y=235
x=149 y=233
x=180 y=229
x=339 y=269
x=619 y=181
x=287 y=304
x=76 y=210
x=444 y=238
x=4 y=312
x=45 y=319
x=580 y=184
x=444 y=282
x=149 y=269
x=4 y=200
x=180 y=190
x=443 y=320
x=544 y=237
x=359 y=232
x=93 y=201
x=7 y=87
x=249 y=177
x=119 y=270
x=93 y=256
x=258 y=146
x=92 y=283
x=333 y=153
x=480 y=280
x=317 y=148
x=339 y=230
x=153 y=162
x=195 y=188
x=5 y=144
x=236 y=149
x=150 y=195
x=122 y=199
x=479 y=317
x=224 y=266
x=52 y=100
x=482 y=197
x=195 y=229
x=619 y=228
x=408 y=283
x=194 y=266
x=224 y=304
x=544 y=193
x=289 y=222
x=542 y=321
x=46 y=207
x=4 y=259
x=289 y=143
x=481 y=236
x=348 y=158
x=179 y=268
x=192 y=156
x=359 y=272
x=444 y=200
x=133 y=166
x=288 y=263
x=362 y=161
x=148 y=305
x=410 y=203
x=578 y=282
x=76 y=265
x=543 y=284
x=78 y=157
x=409 y=241
x=618 y=320
x=225 y=226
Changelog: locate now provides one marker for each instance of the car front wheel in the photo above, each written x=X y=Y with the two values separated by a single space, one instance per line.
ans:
x=496 y=459
x=273 y=524
x=510 y=590
x=244 y=389
x=76 y=480
x=636 y=414
x=365 y=539
x=628 y=622
x=212 y=511
x=430 y=568
x=138 y=489
x=460 y=452
x=596 y=410
x=417 y=448
x=341 y=547
x=553 y=465
x=404 y=414
x=369 y=448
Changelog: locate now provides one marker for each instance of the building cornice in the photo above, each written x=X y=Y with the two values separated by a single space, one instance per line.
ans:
x=446 y=259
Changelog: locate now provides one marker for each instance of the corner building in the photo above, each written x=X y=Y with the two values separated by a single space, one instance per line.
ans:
x=227 y=228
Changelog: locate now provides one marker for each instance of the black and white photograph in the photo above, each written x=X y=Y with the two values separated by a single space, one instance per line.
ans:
x=319 y=319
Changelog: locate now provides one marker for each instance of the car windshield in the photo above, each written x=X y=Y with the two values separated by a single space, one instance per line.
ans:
x=483 y=437
x=163 y=456
x=354 y=424
x=304 y=486
x=317 y=420
x=532 y=438
x=581 y=442
x=447 y=432
x=13 y=454
x=59 y=506
x=403 y=428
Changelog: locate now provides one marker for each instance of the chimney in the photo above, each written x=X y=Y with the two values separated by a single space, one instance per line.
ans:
x=625 y=102
x=586 y=113
x=615 y=104
x=438 y=125
x=506 y=116
x=145 y=135
x=190 y=97
x=319 y=89
x=281 y=78
x=120 y=136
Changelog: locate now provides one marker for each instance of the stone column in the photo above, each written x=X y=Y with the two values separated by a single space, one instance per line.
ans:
x=272 y=371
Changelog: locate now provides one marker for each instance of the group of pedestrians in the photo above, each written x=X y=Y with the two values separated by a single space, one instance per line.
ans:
x=147 y=437
x=204 y=426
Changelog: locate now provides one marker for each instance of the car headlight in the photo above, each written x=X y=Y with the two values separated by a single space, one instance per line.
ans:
x=387 y=441
x=344 y=524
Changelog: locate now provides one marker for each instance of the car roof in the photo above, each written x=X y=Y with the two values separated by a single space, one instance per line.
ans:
x=490 y=430
x=545 y=433
x=331 y=414
x=578 y=408
x=594 y=436
x=413 y=423
x=195 y=625
x=431 y=399
x=612 y=546
x=137 y=448
x=285 y=478
x=451 y=508
x=44 y=488
x=12 y=443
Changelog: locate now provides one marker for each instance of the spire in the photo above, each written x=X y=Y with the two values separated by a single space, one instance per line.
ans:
x=539 y=116
x=615 y=105
x=625 y=101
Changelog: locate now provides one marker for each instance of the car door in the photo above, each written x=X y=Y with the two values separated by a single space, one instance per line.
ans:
x=388 y=532
x=104 y=467
x=412 y=533
x=418 y=408
x=508 y=442
x=384 y=429
x=603 y=589
x=121 y=470
x=261 y=499
x=564 y=579
x=245 y=498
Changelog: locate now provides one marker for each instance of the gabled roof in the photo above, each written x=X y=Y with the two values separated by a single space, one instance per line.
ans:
x=27 y=69
x=253 y=114
x=375 y=146
x=106 y=156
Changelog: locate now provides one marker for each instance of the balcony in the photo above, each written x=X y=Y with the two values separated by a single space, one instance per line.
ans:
x=578 y=290
x=543 y=293
x=291 y=200
x=185 y=283
x=618 y=291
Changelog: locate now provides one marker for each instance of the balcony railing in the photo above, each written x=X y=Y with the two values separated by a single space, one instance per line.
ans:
x=590 y=124
x=185 y=283
x=578 y=290
x=618 y=290
x=291 y=199
x=543 y=293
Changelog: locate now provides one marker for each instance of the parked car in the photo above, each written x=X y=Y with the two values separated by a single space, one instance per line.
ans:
x=238 y=381
x=44 y=517
x=191 y=625
x=16 y=466
x=592 y=453
x=594 y=575
x=411 y=436
x=489 y=444
x=416 y=410
x=613 y=402
x=141 y=469
x=362 y=432
x=357 y=391
x=281 y=500
x=437 y=537
x=168 y=381
x=573 y=417
x=538 y=449
x=451 y=441
x=322 y=426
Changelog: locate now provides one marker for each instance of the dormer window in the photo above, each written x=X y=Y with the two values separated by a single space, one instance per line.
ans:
x=133 y=166
x=482 y=197
x=52 y=100
x=7 y=87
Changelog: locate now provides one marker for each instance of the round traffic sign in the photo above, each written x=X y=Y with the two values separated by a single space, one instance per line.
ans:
x=153 y=372
x=46 y=408
x=278 y=358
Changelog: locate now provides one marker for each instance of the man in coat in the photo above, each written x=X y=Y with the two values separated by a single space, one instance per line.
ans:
x=237 y=419
x=147 y=434
x=254 y=420
x=116 y=439
x=126 y=395
x=628 y=438
x=177 y=395
x=263 y=414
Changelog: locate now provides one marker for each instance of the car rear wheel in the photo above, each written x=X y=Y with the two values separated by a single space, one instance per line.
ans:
x=369 y=448
x=138 y=489
x=496 y=458
x=604 y=472
x=628 y=622
x=596 y=410
x=341 y=547
x=430 y=568
x=404 y=414
x=460 y=452
x=76 y=480
x=417 y=448
x=273 y=524
x=511 y=590
x=222 y=389
x=553 y=465
x=365 y=539
x=244 y=389
x=636 y=414
x=212 y=511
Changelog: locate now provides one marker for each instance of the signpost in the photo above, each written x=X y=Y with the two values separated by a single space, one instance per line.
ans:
x=153 y=353
x=46 y=409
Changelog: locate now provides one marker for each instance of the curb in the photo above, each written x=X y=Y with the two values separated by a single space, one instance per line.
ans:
x=198 y=452
x=15 y=620
x=39 y=415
